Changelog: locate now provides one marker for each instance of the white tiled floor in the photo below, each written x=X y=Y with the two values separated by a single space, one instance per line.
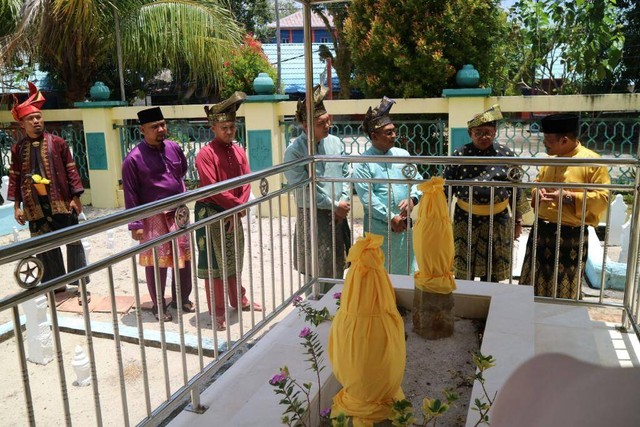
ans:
x=569 y=330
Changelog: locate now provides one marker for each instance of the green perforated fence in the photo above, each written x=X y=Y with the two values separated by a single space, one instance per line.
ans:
x=191 y=135
x=609 y=137
x=420 y=138
x=71 y=132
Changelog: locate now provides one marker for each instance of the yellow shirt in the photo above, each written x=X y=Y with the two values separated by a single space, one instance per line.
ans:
x=597 y=200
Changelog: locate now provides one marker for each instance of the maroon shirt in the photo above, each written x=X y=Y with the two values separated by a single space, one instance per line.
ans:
x=51 y=158
x=217 y=162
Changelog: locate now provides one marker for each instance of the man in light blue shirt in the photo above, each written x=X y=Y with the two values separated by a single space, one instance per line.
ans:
x=387 y=207
x=332 y=198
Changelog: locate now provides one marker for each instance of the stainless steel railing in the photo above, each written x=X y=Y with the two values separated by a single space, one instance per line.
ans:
x=143 y=370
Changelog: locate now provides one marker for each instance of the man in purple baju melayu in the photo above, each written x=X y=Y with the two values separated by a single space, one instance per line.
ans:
x=152 y=171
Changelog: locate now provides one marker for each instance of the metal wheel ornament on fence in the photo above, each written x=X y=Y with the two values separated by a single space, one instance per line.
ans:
x=29 y=272
x=515 y=173
x=264 y=186
x=409 y=171
x=182 y=216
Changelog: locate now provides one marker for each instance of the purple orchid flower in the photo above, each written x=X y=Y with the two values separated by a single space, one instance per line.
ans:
x=278 y=378
x=305 y=332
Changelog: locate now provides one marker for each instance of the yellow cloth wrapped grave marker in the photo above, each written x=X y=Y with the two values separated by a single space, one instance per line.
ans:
x=433 y=240
x=366 y=343
x=434 y=251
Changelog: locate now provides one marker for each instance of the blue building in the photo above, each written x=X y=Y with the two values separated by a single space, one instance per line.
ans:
x=292 y=66
x=292 y=29
x=292 y=52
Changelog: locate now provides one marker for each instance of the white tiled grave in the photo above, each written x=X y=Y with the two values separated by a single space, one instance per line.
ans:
x=516 y=329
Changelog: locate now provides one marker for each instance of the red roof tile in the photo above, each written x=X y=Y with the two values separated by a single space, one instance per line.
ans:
x=295 y=20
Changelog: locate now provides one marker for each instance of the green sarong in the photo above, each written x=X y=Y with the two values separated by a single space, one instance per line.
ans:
x=231 y=240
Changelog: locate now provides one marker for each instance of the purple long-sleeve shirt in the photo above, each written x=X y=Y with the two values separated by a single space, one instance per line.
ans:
x=150 y=174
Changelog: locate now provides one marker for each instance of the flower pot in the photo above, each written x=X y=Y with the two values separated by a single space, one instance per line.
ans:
x=467 y=76
x=263 y=84
x=41 y=189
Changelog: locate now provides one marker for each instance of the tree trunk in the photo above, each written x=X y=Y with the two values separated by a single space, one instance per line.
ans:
x=432 y=314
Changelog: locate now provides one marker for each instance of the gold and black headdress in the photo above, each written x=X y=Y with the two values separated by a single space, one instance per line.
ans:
x=493 y=114
x=379 y=116
x=225 y=111
x=319 y=93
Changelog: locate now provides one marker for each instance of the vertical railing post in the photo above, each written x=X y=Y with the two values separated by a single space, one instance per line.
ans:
x=308 y=67
x=634 y=243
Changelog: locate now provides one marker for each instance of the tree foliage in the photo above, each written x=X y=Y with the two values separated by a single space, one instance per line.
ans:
x=630 y=20
x=9 y=13
x=73 y=39
x=571 y=44
x=413 y=48
x=243 y=66
x=253 y=14
x=342 y=60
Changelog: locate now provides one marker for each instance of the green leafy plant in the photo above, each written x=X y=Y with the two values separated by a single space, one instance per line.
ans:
x=402 y=413
x=432 y=409
x=290 y=389
x=311 y=315
x=296 y=397
x=243 y=66
x=481 y=405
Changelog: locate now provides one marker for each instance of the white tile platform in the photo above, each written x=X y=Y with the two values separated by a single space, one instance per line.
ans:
x=569 y=330
x=516 y=329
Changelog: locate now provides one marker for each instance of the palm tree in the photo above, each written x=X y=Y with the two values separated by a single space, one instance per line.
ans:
x=76 y=38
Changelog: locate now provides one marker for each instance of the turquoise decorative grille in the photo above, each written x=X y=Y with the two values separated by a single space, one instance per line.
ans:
x=420 y=138
x=71 y=132
x=191 y=135
x=609 y=137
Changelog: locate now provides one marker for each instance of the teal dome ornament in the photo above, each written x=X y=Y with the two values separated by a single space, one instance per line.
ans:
x=263 y=84
x=99 y=92
x=467 y=77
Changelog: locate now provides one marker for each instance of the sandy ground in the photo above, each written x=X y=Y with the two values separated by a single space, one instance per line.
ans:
x=433 y=366
x=272 y=249
x=268 y=278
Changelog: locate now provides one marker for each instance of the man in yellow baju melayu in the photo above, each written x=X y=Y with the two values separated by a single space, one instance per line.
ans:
x=561 y=140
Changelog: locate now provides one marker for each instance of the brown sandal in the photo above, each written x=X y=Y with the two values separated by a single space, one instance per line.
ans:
x=167 y=316
x=256 y=307
x=220 y=324
x=78 y=295
x=187 y=307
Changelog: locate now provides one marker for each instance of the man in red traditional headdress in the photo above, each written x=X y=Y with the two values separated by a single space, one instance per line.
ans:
x=45 y=185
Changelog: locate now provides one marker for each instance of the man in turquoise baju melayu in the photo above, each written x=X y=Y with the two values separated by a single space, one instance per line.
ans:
x=332 y=198
x=387 y=207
